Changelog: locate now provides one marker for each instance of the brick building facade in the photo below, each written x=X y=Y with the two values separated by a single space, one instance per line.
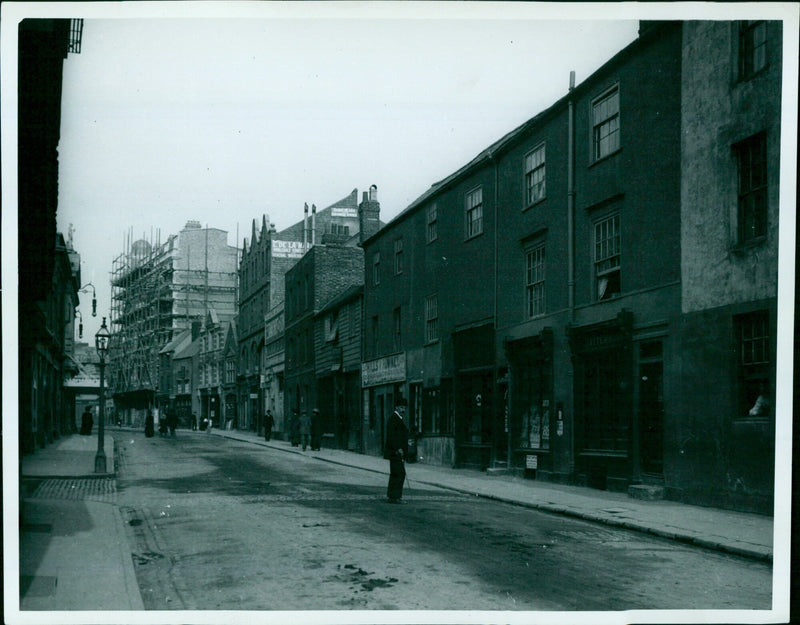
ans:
x=543 y=308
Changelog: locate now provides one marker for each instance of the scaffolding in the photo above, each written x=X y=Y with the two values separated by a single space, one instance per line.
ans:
x=157 y=291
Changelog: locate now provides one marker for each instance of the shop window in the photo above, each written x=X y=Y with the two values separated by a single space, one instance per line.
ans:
x=431 y=412
x=534 y=401
x=607 y=257
x=606 y=411
x=754 y=365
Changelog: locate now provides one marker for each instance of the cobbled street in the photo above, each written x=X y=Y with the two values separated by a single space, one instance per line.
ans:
x=217 y=524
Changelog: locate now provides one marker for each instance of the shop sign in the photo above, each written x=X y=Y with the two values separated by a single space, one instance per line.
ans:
x=253 y=395
x=384 y=370
x=287 y=249
x=531 y=461
x=344 y=212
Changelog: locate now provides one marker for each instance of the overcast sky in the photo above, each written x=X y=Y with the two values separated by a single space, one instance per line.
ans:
x=204 y=111
x=224 y=120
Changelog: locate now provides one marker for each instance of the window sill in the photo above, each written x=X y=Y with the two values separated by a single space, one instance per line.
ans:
x=742 y=248
x=431 y=343
x=743 y=79
x=474 y=236
x=602 y=159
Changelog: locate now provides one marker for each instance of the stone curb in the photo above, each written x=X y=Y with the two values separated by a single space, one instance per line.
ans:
x=751 y=553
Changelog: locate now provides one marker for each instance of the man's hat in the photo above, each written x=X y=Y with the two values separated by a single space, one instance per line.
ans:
x=400 y=402
x=316 y=410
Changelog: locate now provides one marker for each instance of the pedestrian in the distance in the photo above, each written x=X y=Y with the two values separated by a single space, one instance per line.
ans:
x=172 y=423
x=149 y=425
x=194 y=422
x=87 y=422
x=295 y=428
x=395 y=450
x=316 y=430
x=305 y=430
x=269 y=423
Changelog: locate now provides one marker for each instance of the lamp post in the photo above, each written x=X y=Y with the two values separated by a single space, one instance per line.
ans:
x=101 y=344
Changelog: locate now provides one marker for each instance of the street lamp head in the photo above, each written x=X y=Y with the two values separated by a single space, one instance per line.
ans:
x=101 y=340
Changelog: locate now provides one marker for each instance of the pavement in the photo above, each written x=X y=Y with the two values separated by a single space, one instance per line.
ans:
x=73 y=546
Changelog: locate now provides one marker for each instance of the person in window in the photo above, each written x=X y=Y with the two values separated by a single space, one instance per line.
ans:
x=762 y=406
x=395 y=451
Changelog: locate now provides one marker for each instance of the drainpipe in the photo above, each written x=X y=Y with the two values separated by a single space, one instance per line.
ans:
x=571 y=251
x=495 y=394
x=571 y=203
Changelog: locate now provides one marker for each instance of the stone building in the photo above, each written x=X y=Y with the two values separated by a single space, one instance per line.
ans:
x=721 y=445
x=158 y=290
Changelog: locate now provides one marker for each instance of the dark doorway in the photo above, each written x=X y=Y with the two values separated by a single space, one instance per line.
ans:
x=651 y=416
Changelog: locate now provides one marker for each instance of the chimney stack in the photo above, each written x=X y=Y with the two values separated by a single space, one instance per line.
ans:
x=369 y=212
x=305 y=226
x=313 y=224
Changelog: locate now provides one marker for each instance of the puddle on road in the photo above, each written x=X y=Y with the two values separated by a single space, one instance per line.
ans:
x=358 y=577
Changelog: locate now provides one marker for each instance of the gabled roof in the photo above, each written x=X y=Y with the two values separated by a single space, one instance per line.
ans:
x=212 y=318
x=178 y=343
x=232 y=339
x=188 y=351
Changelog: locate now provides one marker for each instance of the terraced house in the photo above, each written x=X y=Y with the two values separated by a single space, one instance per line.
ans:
x=545 y=308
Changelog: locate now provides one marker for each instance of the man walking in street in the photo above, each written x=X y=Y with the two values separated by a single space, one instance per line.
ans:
x=87 y=422
x=305 y=430
x=316 y=430
x=395 y=450
x=269 y=423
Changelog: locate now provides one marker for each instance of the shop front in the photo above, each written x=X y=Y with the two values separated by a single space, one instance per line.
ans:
x=383 y=381
x=532 y=415
x=480 y=438
x=603 y=357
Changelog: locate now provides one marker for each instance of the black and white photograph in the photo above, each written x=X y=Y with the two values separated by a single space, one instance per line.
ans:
x=398 y=312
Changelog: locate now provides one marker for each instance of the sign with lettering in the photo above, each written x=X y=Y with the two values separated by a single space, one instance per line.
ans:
x=287 y=249
x=344 y=212
x=384 y=370
x=531 y=461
